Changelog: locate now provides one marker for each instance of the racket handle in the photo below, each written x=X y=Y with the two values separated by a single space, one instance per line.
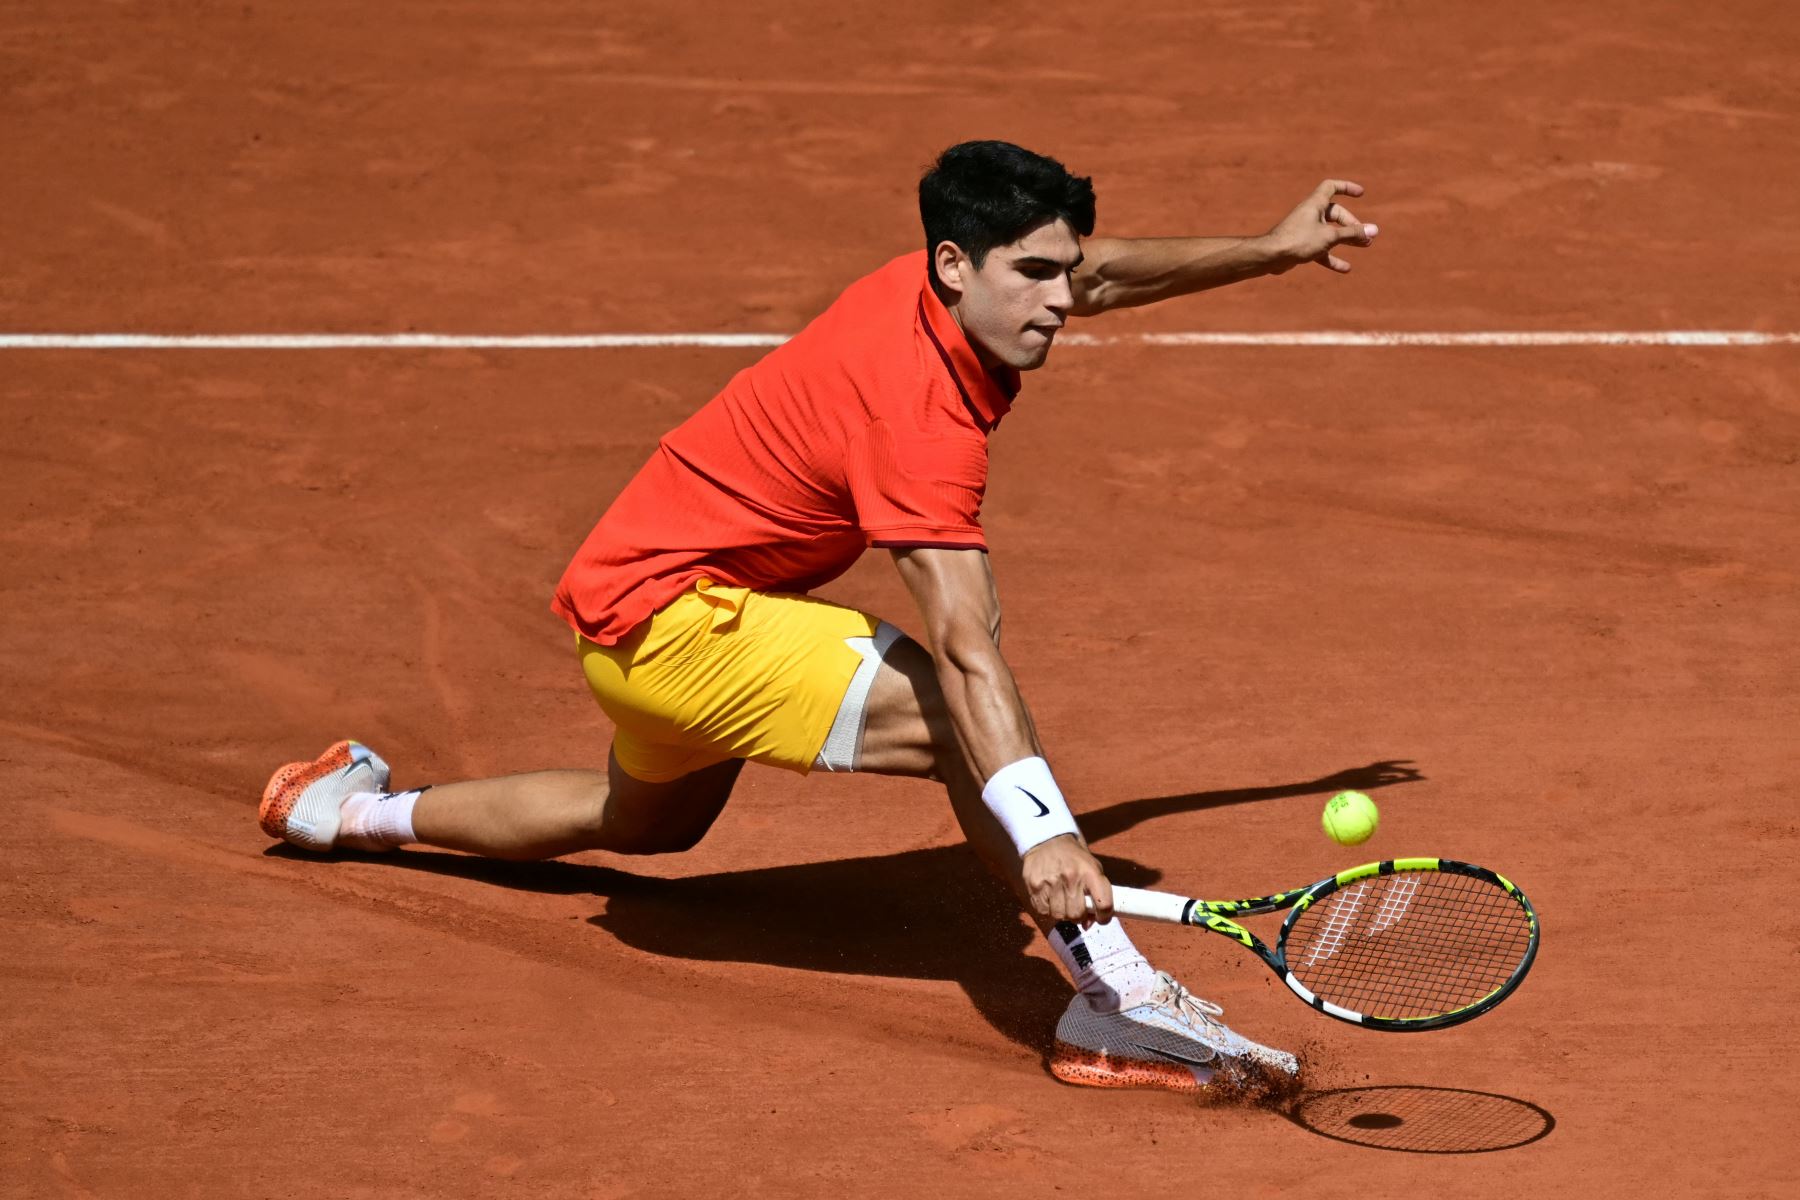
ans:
x=1148 y=905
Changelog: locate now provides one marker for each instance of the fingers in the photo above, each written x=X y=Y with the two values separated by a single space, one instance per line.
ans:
x=1100 y=888
x=1347 y=227
x=1336 y=187
x=1057 y=897
x=1060 y=878
x=1075 y=903
x=1082 y=896
x=1068 y=901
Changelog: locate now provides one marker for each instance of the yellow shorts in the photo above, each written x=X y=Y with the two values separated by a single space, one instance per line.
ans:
x=726 y=672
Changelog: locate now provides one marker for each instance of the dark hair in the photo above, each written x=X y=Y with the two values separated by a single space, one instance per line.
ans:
x=986 y=194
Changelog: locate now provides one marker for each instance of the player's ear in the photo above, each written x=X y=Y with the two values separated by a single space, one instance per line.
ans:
x=949 y=262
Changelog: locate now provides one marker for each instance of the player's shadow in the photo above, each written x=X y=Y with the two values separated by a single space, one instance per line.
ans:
x=933 y=913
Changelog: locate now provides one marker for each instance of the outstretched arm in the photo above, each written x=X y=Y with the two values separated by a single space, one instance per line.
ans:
x=961 y=608
x=1126 y=272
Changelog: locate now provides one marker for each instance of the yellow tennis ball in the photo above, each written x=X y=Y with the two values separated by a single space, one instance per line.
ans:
x=1350 y=818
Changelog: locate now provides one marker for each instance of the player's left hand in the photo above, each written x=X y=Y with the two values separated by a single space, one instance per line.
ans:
x=1316 y=227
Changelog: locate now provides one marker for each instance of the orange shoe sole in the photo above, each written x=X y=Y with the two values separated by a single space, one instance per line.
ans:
x=1089 y=1068
x=286 y=786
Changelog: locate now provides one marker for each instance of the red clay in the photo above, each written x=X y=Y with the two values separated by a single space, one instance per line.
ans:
x=1541 y=603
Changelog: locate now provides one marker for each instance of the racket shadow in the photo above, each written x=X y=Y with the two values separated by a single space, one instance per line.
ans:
x=1416 y=1119
x=944 y=917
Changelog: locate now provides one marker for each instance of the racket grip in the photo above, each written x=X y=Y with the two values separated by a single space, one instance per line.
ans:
x=1147 y=905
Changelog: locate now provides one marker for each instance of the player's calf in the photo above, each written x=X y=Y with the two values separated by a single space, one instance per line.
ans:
x=339 y=801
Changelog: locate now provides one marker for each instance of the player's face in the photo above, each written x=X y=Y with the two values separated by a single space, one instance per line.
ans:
x=1013 y=304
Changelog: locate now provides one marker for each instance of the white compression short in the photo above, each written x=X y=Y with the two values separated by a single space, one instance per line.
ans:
x=843 y=745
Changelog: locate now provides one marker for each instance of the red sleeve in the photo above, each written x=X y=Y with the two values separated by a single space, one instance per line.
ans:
x=917 y=489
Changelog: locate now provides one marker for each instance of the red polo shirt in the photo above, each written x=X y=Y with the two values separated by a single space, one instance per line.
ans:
x=868 y=428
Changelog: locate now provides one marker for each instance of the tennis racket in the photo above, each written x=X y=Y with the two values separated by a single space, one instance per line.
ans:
x=1401 y=945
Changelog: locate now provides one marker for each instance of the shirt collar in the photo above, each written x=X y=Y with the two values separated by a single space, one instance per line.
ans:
x=989 y=398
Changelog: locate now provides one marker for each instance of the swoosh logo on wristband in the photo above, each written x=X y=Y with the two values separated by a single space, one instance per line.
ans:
x=1043 y=809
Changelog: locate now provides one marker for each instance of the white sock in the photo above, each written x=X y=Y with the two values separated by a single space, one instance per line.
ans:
x=377 y=820
x=1106 y=967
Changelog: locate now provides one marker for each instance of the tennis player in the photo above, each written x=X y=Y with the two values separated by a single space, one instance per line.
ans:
x=691 y=616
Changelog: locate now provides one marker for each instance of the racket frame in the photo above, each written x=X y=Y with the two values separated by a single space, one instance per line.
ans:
x=1217 y=915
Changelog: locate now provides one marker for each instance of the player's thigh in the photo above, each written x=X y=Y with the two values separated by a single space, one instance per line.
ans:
x=727 y=672
x=907 y=728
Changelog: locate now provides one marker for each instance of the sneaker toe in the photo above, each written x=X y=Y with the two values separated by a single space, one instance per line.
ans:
x=301 y=802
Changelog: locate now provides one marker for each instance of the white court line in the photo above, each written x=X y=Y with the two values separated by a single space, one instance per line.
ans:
x=1649 y=337
x=377 y=341
x=615 y=341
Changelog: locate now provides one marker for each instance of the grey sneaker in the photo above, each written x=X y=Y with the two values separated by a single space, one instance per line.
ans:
x=1175 y=1041
x=301 y=802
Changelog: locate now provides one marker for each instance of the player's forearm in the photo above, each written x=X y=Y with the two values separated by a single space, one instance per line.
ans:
x=986 y=708
x=1127 y=272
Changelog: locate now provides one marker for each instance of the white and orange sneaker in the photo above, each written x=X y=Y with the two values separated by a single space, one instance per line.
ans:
x=301 y=802
x=1174 y=1040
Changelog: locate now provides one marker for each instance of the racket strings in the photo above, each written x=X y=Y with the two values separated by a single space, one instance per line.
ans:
x=1411 y=944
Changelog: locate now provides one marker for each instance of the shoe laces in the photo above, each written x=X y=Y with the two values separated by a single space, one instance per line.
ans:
x=1186 y=1007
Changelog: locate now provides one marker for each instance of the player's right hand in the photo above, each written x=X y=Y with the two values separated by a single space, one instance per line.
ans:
x=1060 y=877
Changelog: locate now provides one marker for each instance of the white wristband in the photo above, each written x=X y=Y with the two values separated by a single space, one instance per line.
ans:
x=1029 y=804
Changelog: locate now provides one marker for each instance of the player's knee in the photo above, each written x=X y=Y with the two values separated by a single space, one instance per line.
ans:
x=948 y=763
x=643 y=837
x=670 y=830
x=946 y=749
x=926 y=692
x=660 y=819
x=603 y=820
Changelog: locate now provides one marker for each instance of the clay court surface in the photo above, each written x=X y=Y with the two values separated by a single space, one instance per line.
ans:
x=1541 y=603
